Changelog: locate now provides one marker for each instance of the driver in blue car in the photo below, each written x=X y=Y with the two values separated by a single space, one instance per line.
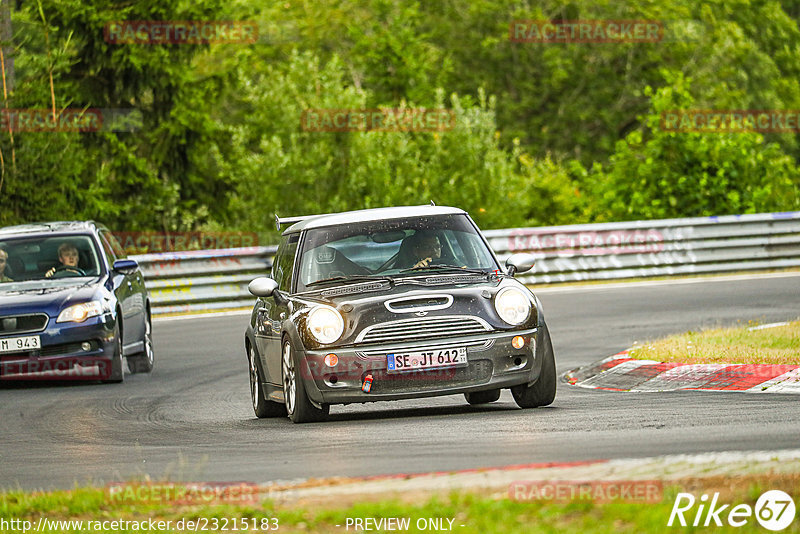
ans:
x=69 y=258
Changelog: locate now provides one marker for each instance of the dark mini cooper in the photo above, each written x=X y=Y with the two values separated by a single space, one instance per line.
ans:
x=389 y=304
x=71 y=305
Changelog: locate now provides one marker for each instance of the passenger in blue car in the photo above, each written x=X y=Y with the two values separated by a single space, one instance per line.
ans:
x=3 y=261
x=69 y=258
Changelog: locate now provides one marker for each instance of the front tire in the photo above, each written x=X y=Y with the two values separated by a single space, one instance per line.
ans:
x=143 y=362
x=482 y=397
x=298 y=405
x=262 y=407
x=117 y=374
x=543 y=391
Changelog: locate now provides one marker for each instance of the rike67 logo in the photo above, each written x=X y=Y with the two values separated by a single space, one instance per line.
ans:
x=774 y=510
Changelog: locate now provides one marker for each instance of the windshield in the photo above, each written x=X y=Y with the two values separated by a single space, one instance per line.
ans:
x=47 y=258
x=393 y=247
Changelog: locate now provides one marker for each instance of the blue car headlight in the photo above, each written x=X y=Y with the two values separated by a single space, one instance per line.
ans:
x=80 y=312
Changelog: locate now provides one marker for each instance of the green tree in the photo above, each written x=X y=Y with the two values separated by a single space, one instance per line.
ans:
x=670 y=174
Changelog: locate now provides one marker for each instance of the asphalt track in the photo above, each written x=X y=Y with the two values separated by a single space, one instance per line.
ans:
x=192 y=420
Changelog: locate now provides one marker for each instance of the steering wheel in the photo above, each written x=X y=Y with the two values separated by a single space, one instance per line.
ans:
x=63 y=271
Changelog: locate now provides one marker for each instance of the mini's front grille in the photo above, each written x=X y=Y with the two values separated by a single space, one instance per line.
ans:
x=22 y=324
x=423 y=328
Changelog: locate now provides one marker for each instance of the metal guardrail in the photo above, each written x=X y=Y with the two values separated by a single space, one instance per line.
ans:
x=640 y=249
x=203 y=280
x=217 y=279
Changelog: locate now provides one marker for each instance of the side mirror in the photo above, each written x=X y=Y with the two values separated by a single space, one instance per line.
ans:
x=125 y=266
x=262 y=286
x=519 y=263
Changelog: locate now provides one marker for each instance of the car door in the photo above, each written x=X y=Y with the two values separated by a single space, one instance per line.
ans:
x=277 y=309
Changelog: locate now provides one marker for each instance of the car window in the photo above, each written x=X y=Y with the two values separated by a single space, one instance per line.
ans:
x=387 y=248
x=111 y=241
x=283 y=263
x=107 y=250
x=32 y=258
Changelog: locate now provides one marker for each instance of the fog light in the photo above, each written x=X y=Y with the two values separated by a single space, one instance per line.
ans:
x=86 y=346
x=331 y=360
x=518 y=342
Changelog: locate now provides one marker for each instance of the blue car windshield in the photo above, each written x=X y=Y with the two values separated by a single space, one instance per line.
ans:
x=394 y=247
x=49 y=257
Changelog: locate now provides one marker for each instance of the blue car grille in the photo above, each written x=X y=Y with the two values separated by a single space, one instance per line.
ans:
x=22 y=324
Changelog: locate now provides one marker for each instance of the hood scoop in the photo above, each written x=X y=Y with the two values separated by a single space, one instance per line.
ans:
x=355 y=288
x=419 y=303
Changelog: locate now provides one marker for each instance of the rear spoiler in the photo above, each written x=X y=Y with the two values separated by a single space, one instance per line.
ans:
x=291 y=220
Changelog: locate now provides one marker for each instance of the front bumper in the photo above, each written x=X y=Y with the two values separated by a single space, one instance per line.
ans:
x=492 y=363
x=63 y=355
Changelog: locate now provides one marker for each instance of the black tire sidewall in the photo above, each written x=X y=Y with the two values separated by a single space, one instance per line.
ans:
x=543 y=391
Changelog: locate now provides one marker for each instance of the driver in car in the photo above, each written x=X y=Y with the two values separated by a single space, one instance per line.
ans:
x=427 y=248
x=68 y=256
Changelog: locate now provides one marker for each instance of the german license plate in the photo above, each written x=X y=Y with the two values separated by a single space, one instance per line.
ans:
x=16 y=344
x=431 y=359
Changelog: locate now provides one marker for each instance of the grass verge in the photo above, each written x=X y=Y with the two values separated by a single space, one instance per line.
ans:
x=775 y=345
x=469 y=512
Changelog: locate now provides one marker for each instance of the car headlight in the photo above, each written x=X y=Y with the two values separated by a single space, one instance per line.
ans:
x=80 y=312
x=325 y=324
x=512 y=305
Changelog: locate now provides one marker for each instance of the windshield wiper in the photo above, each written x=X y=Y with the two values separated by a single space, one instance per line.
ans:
x=445 y=267
x=351 y=278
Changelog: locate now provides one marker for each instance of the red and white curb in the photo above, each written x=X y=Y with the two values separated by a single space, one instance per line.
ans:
x=622 y=373
x=496 y=481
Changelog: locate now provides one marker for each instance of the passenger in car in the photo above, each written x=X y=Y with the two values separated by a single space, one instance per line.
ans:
x=3 y=262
